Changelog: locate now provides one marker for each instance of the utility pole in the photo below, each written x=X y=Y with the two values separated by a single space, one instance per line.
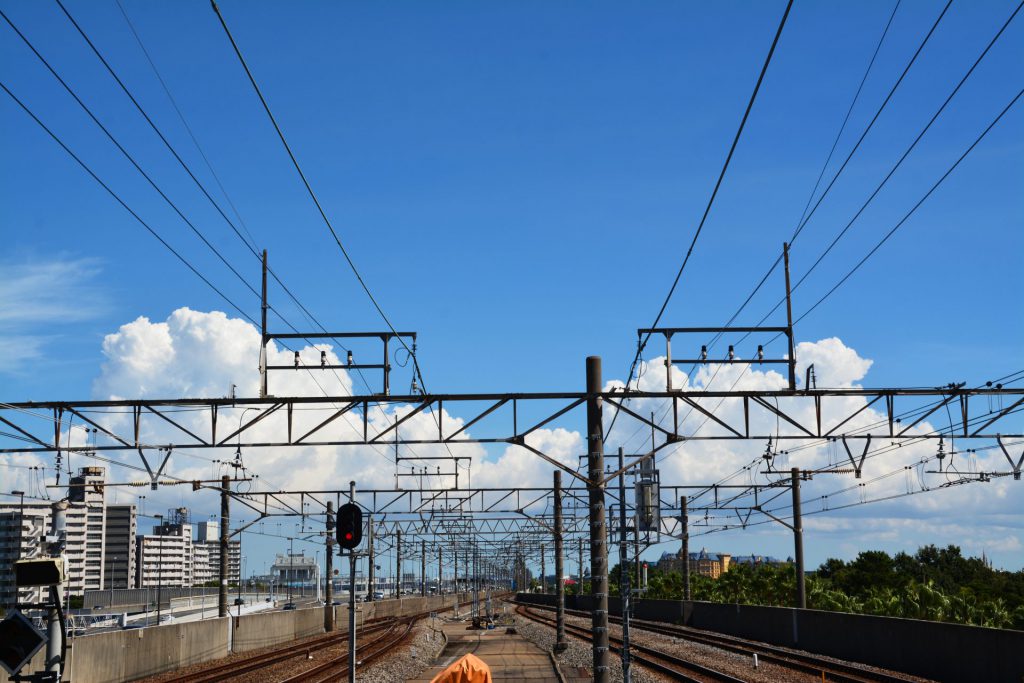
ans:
x=225 y=520
x=398 y=564
x=543 y=571
x=352 y=599
x=263 y=332
x=798 y=541
x=684 y=522
x=440 y=575
x=423 y=569
x=579 y=589
x=54 y=627
x=789 y=322
x=560 y=644
x=371 y=585
x=598 y=549
x=624 y=571
x=329 y=563
x=455 y=566
x=159 y=569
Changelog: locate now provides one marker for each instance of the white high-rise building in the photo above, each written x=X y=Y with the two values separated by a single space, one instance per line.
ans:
x=23 y=530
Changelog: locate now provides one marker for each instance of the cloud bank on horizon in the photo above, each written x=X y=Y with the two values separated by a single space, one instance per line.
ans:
x=207 y=354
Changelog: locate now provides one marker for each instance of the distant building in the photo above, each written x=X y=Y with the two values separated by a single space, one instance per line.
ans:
x=119 y=548
x=165 y=557
x=755 y=560
x=295 y=570
x=23 y=530
x=208 y=536
x=702 y=563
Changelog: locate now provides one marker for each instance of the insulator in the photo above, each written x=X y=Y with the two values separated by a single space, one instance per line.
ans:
x=350 y=358
x=732 y=354
x=703 y=352
x=296 y=359
x=760 y=352
x=323 y=358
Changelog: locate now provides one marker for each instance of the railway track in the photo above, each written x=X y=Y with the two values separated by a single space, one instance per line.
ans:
x=840 y=672
x=230 y=670
x=328 y=672
x=675 y=667
x=387 y=633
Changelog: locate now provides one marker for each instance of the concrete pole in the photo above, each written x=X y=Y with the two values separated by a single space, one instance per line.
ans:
x=543 y=571
x=798 y=541
x=54 y=628
x=352 y=600
x=440 y=573
x=371 y=585
x=263 y=332
x=225 y=520
x=329 y=563
x=598 y=549
x=455 y=565
x=579 y=588
x=789 y=323
x=423 y=568
x=560 y=643
x=684 y=522
x=398 y=563
x=624 y=588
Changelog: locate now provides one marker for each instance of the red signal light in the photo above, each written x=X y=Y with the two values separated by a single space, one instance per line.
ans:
x=348 y=536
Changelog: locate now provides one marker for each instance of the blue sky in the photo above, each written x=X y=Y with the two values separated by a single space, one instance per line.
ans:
x=518 y=182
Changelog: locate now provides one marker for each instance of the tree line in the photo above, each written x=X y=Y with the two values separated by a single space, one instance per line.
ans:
x=937 y=584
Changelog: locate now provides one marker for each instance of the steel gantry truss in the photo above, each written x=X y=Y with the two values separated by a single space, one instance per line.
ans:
x=503 y=529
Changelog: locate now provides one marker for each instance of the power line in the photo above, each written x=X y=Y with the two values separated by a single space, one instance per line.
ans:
x=127 y=155
x=878 y=112
x=711 y=200
x=912 y=210
x=251 y=241
x=824 y=167
x=721 y=177
x=309 y=189
x=180 y=161
x=125 y=206
x=902 y=158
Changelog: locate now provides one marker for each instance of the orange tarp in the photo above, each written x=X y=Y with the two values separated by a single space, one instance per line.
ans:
x=468 y=669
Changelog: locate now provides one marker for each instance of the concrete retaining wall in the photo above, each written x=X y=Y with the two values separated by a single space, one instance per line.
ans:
x=253 y=631
x=944 y=652
x=119 y=656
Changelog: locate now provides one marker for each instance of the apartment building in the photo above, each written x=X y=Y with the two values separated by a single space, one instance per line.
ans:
x=119 y=548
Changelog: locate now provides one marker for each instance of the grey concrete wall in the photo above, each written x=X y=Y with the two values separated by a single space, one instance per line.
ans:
x=944 y=652
x=253 y=631
x=117 y=656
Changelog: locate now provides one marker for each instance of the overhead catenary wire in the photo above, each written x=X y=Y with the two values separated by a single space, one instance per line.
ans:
x=312 y=194
x=127 y=208
x=912 y=210
x=824 y=166
x=127 y=155
x=184 y=165
x=842 y=167
x=902 y=158
x=642 y=343
x=149 y=179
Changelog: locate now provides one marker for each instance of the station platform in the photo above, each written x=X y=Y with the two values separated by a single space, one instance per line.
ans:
x=510 y=656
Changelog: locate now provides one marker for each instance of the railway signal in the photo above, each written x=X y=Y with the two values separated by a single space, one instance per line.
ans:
x=350 y=526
